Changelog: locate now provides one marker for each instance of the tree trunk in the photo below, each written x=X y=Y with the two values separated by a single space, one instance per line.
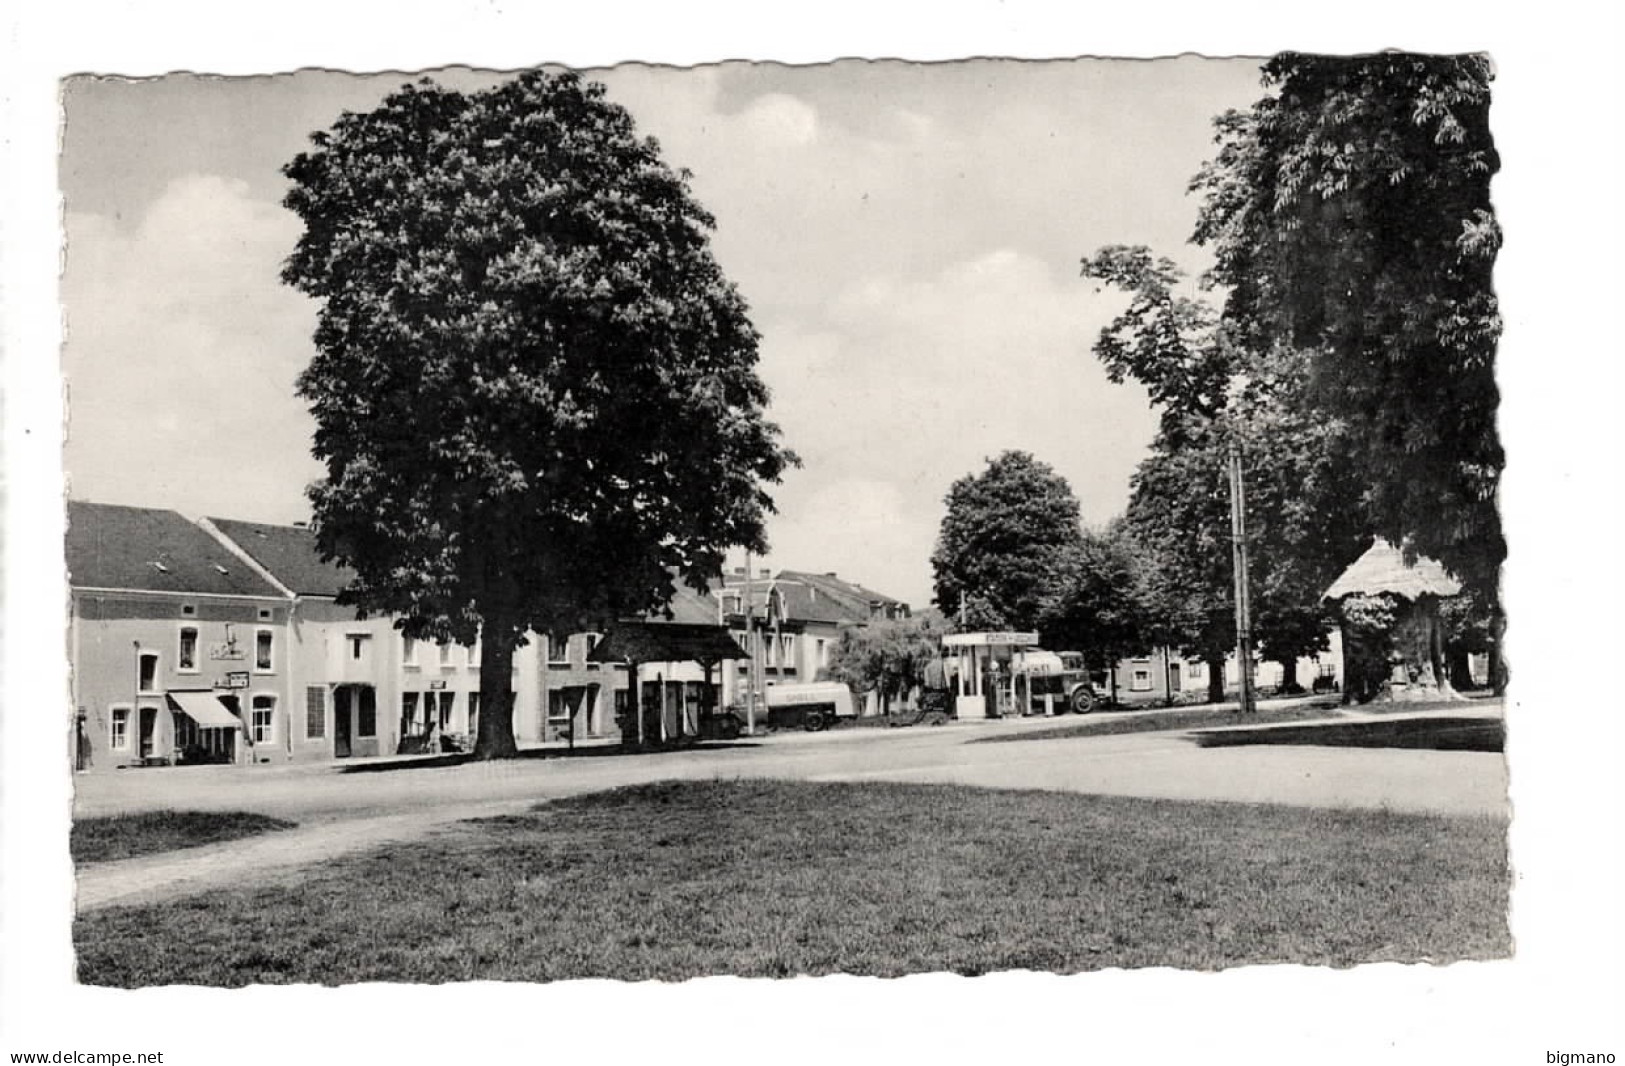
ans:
x=1289 y=674
x=1215 y=678
x=1498 y=668
x=495 y=739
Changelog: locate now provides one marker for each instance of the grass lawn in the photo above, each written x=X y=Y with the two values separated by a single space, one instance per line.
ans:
x=1107 y=723
x=771 y=879
x=125 y=836
x=1439 y=733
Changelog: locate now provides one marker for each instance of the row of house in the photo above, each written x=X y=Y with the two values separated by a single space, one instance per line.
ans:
x=219 y=640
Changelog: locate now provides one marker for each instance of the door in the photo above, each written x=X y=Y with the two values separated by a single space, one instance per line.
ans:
x=149 y=729
x=342 y=718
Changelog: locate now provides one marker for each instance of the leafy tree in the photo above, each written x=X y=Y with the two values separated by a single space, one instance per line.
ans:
x=1303 y=507
x=1094 y=605
x=534 y=389
x=1349 y=213
x=1001 y=537
x=887 y=656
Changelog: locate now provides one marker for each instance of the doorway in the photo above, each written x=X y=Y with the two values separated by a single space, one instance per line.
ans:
x=343 y=706
x=148 y=731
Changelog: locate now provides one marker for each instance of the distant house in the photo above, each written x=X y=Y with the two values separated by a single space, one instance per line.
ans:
x=800 y=615
x=179 y=649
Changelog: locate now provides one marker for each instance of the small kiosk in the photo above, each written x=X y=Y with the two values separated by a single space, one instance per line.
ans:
x=985 y=667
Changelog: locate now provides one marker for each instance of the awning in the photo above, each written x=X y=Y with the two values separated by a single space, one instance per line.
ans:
x=205 y=709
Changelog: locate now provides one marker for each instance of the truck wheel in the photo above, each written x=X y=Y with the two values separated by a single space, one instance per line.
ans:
x=1082 y=701
x=815 y=721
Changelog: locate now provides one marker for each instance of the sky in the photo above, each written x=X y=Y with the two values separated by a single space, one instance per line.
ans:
x=907 y=236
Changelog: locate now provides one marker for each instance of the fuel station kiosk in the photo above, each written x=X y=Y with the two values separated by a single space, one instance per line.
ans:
x=984 y=667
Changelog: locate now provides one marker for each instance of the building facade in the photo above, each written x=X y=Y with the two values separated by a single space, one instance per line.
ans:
x=180 y=653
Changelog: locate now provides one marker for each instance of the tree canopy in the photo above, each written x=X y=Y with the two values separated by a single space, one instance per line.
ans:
x=887 y=656
x=1000 y=540
x=534 y=389
x=1349 y=213
x=1095 y=603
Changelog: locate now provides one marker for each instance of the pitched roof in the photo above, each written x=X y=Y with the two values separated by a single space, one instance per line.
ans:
x=687 y=605
x=1383 y=569
x=289 y=553
x=665 y=642
x=828 y=598
x=115 y=547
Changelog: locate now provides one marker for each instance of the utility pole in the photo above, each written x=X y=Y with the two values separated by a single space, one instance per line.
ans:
x=1238 y=548
x=750 y=648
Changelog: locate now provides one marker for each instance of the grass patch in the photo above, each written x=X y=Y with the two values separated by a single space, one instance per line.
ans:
x=1439 y=734
x=772 y=879
x=124 y=836
x=1111 y=723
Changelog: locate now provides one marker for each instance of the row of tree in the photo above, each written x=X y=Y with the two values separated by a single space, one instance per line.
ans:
x=1344 y=339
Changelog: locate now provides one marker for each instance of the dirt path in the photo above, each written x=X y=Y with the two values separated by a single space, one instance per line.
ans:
x=154 y=878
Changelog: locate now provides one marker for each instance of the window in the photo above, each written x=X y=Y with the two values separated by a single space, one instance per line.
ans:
x=558 y=649
x=787 y=651
x=445 y=653
x=188 y=610
x=1140 y=681
x=119 y=729
x=473 y=710
x=262 y=649
x=186 y=656
x=471 y=655
x=1195 y=670
x=409 y=712
x=823 y=653
x=592 y=642
x=409 y=651
x=147 y=672
x=261 y=723
x=366 y=716
x=448 y=701
x=315 y=712
x=359 y=643
x=265 y=613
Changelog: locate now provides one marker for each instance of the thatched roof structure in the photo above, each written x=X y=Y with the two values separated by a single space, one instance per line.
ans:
x=1383 y=569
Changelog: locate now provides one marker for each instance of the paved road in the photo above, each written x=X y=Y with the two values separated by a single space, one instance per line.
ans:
x=342 y=812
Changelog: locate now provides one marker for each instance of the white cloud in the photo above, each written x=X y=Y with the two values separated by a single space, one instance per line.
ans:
x=181 y=353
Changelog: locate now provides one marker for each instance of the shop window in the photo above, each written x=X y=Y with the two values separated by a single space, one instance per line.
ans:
x=262 y=721
x=186 y=654
x=448 y=702
x=409 y=713
x=263 y=650
x=147 y=672
x=315 y=712
x=366 y=719
x=118 y=736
